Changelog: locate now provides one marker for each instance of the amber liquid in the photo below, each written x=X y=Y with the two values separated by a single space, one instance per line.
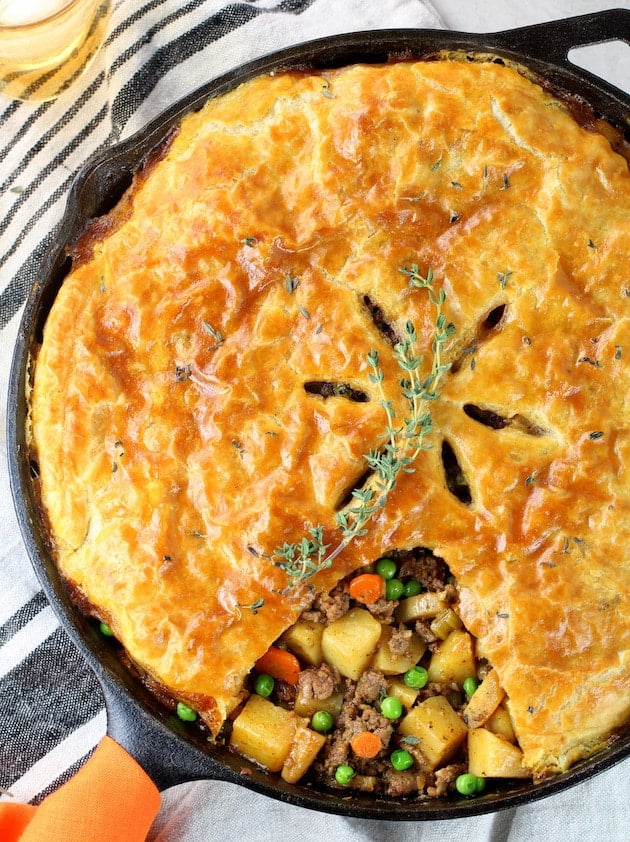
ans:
x=40 y=61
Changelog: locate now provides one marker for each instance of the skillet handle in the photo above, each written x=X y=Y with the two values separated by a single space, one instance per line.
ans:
x=167 y=759
x=553 y=40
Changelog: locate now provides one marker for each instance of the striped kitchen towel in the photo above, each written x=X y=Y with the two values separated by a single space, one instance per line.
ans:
x=51 y=707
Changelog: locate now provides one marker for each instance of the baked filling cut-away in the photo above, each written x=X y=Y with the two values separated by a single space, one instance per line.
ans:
x=203 y=394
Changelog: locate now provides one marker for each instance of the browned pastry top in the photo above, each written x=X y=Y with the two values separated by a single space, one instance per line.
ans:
x=181 y=439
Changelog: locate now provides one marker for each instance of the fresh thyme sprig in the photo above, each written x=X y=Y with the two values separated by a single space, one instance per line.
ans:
x=403 y=441
x=303 y=560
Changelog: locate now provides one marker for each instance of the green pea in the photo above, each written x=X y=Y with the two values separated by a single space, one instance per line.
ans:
x=412 y=588
x=387 y=568
x=394 y=589
x=469 y=784
x=186 y=713
x=416 y=677
x=105 y=630
x=344 y=774
x=391 y=707
x=466 y=784
x=470 y=685
x=401 y=759
x=321 y=721
x=264 y=685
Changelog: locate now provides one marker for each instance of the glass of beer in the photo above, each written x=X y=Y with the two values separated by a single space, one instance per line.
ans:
x=46 y=44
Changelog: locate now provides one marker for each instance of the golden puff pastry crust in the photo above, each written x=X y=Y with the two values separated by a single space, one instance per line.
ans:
x=179 y=440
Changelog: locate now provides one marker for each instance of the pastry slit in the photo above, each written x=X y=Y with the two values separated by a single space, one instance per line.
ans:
x=332 y=388
x=381 y=323
x=488 y=326
x=494 y=420
x=456 y=481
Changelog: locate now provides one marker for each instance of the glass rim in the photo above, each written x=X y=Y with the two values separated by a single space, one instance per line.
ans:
x=25 y=27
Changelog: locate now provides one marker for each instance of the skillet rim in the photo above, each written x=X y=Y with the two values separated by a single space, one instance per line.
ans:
x=168 y=753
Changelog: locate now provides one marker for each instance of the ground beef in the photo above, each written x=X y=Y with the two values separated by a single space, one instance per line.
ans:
x=450 y=690
x=335 y=753
x=318 y=683
x=383 y=609
x=333 y=605
x=451 y=595
x=370 y=687
x=423 y=630
x=399 y=641
x=443 y=778
x=338 y=751
x=360 y=708
x=399 y=783
x=418 y=755
x=372 y=720
x=426 y=568
x=285 y=693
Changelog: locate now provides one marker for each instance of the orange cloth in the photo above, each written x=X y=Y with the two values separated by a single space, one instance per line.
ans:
x=110 y=799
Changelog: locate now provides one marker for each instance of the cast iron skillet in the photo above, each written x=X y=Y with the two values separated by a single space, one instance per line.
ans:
x=168 y=750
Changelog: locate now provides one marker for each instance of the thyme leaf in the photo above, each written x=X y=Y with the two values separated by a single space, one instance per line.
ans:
x=238 y=447
x=417 y=198
x=213 y=332
x=303 y=560
x=591 y=361
x=291 y=283
x=253 y=606
x=300 y=561
x=182 y=372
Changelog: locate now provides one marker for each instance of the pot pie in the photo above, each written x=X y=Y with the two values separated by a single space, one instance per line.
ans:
x=204 y=394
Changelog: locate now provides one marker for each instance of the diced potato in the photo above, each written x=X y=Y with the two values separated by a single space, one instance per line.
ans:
x=307 y=707
x=501 y=723
x=304 y=639
x=366 y=783
x=439 y=730
x=484 y=701
x=406 y=695
x=304 y=749
x=445 y=622
x=349 y=642
x=422 y=606
x=264 y=732
x=490 y=756
x=386 y=662
x=454 y=659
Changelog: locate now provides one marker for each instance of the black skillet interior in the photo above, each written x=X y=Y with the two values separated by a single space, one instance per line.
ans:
x=170 y=751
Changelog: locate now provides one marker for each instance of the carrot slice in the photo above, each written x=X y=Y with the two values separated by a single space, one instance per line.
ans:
x=367 y=587
x=366 y=744
x=279 y=663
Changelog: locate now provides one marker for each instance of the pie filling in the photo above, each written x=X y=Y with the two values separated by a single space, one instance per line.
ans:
x=368 y=322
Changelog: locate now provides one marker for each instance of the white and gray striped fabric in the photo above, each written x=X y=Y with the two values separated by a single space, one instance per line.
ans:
x=51 y=707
